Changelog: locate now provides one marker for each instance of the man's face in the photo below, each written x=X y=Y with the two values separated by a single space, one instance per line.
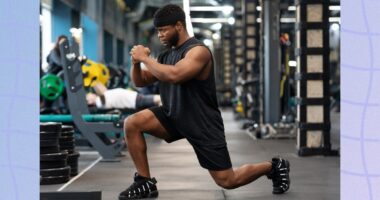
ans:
x=168 y=35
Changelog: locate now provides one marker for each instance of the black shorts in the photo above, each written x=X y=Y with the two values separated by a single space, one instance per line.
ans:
x=214 y=158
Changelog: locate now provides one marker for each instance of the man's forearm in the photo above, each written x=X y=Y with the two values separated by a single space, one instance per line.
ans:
x=136 y=74
x=165 y=73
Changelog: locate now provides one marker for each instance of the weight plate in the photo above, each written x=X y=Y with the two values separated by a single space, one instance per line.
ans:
x=66 y=139
x=94 y=71
x=54 y=156
x=65 y=171
x=74 y=171
x=67 y=128
x=72 y=159
x=53 y=164
x=48 y=143
x=49 y=135
x=73 y=156
x=67 y=134
x=50 y=127
x=72 y=163
x=54 y=180
x=49 y=150
x=67 y=145
x=69 y=150
x=51 y=86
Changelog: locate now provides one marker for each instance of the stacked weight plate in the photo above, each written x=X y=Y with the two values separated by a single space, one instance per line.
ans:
x=53 y=161
x=67 y=143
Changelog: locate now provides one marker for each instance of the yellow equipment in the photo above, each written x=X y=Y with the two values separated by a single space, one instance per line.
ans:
x=94 y=72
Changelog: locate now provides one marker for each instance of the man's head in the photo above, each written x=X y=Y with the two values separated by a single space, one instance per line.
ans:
x=170 y=22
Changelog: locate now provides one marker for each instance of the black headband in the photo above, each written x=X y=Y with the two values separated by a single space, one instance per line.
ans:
x=169 y=20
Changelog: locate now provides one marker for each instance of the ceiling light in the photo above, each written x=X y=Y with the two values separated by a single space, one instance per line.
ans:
x=216 y=26
x=207 y=42
x=231 y=20
x=216 y=36
x=292 y=63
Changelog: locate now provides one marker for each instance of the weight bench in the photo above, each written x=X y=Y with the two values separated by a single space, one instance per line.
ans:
x=76 y=100
x=87 y=118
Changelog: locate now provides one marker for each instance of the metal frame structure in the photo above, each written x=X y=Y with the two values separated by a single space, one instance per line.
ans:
x=251 y=71
x=271 y=93
x=76 y=96
x=313 y=75
x=238 y=52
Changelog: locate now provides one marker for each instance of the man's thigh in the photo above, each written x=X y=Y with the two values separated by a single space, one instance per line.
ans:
x=147 y=122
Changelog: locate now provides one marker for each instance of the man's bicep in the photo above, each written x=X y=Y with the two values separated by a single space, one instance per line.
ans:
x=193 y=63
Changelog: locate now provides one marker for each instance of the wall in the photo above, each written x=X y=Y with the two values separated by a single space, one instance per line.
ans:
x=90 y=37
x=96 y=18
x=61 y=20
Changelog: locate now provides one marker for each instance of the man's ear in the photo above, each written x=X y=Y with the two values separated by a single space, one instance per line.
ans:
x=178 y=25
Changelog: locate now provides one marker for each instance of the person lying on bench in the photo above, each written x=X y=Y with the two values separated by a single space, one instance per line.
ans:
x=120 y=98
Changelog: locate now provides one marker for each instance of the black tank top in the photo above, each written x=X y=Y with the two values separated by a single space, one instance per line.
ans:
x=192 y=106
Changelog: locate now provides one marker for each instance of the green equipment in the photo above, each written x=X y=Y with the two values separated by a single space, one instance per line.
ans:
x=87 y=118
x=51 y=87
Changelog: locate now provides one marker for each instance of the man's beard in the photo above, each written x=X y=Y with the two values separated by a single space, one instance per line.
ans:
x=174 y=40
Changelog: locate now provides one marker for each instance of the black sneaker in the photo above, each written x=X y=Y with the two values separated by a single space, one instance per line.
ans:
x=280 y=175
x=142 y=188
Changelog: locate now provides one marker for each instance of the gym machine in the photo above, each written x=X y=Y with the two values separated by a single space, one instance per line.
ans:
x=91 y=129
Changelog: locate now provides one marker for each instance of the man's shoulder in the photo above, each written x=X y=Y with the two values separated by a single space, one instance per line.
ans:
x=197 y=49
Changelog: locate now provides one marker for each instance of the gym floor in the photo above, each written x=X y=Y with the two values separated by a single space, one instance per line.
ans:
x=179 y=175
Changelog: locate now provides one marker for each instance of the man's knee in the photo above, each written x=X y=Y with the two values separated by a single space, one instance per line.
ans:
x=226 y=182
x=130 y=125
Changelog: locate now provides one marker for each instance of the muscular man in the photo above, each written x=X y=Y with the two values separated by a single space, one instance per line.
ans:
x=189 y=110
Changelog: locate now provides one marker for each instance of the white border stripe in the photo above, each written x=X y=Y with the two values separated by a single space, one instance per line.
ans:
x=80 y=174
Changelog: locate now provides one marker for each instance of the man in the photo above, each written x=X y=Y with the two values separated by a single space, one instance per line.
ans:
x=189 y=110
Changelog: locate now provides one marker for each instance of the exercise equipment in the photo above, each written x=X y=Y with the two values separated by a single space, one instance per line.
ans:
x=54 y=180
x=72 y=161
x=94 y=72
x=55 y=127
x=53 y=160
x=87 y=118
x=76 y=99
x=64 y=171
x=58 y=159
x=49 y=143
x=49 y=135
x=49 y=150
x=51 y=87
